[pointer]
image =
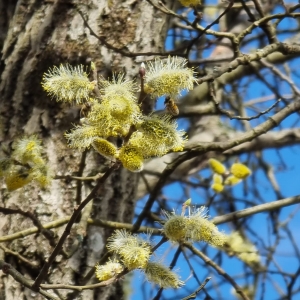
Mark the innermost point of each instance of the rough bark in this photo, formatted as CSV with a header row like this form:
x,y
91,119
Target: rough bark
x,y
36,35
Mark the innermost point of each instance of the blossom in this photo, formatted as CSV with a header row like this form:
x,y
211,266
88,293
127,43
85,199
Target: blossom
x,y
28,149
105,148
175,227
195,227
162,275
157,135
240,171
246,251
216,166
134,252
168,77
17,178
217,184
199,228
109,270
131,158
68,83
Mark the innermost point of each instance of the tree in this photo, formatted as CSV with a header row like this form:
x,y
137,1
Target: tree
x,y
93,195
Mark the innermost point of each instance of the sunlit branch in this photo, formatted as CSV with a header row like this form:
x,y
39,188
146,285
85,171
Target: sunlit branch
x,y
256,209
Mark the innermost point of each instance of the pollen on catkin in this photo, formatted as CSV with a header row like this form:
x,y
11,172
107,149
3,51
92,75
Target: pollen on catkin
x,y
68,84
134,252
109,270
246,251
168,77
240,171
232,180
162,275
199,228
216,166
131,158
175,227
160,134
17,178
28,149
217,184
105,148
82,137
118,87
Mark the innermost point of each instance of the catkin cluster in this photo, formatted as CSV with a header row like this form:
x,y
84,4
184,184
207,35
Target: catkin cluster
x,y
132,252
237,245
222,177
25,165
114,112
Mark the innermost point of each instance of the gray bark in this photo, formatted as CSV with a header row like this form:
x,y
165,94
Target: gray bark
x,y
36,35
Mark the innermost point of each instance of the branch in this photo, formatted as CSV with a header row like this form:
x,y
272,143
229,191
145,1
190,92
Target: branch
x,y
256,209
61,222
49,235
8,269
76,213
220,271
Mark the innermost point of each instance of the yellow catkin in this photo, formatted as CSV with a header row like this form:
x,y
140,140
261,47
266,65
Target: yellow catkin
x,y
163,276
232,180
216,166
134,252
16,180
105,148
109,270
175,227
131,158
217,187
240,171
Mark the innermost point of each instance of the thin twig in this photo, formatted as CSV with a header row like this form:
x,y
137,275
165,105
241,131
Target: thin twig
x,y
48,234
230,114
209,262
76,213
8,269
194,294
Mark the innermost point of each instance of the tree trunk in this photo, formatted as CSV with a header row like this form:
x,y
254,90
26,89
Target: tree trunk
x,y
36,35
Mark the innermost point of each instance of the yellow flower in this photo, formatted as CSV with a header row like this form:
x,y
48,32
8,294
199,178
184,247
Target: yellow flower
x,y
68,83
105,148
158,135
168,77
240,171
17,178
119,98
217,187
109,270
246,251
199,228
118,87
175,227
82,137
131,158
28,150
216,166
232,180
162,275
102,118
134,252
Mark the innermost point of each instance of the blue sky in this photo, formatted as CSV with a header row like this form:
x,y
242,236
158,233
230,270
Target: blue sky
x,y
286,165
